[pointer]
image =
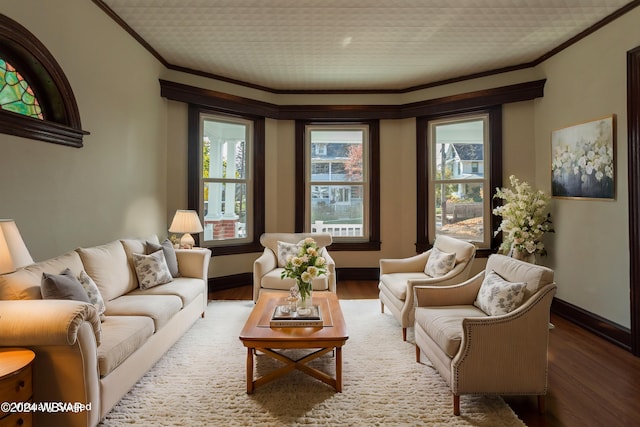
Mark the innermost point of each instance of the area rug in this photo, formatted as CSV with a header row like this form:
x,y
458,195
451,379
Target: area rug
x,y
201,382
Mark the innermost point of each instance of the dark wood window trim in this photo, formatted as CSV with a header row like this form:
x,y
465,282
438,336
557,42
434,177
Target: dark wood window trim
x,y
423,240
193,191
633,130
374,184
61,124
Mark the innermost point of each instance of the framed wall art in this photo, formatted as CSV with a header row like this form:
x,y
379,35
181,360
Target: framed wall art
x,y
583,160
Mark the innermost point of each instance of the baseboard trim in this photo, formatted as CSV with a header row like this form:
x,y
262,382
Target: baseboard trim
x,y
358,273
610,331
229,282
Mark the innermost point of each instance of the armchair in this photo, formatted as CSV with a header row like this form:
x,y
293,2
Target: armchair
x,y
399,276
501,353
269,266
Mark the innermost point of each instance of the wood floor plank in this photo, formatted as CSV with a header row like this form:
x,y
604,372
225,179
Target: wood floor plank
x,y
592,382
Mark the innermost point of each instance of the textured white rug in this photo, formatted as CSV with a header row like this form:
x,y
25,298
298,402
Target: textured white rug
x,y
201,382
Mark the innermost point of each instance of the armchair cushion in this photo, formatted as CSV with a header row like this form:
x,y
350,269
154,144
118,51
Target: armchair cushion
x,y
440,263
498,296
444,324
286,250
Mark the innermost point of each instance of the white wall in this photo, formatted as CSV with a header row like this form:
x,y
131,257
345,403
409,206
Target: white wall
x,y
589,250
63,197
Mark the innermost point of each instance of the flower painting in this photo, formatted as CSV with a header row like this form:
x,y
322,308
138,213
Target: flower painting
x,y
583,160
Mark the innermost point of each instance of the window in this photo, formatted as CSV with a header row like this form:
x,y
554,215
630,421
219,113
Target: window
x,y
457,156
16,94
36,100
228,197
340,190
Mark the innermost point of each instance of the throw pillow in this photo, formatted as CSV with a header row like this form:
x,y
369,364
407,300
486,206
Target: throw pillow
x,y
62,286
286,250
498,296
152,270
93,293
169,255
439,263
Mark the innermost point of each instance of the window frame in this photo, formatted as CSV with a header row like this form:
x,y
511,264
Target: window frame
x,y
372,241
425,236
257,169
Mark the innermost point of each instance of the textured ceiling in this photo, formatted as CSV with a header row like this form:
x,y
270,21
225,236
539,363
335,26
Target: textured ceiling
x,y
355,45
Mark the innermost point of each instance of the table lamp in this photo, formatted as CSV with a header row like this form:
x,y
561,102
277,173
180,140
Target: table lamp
x,y
186,221
13,252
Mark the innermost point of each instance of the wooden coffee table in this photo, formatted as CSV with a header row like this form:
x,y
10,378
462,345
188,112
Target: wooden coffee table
x,y
257,335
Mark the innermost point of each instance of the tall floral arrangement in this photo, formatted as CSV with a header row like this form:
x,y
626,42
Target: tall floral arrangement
x,y
525,218
305,266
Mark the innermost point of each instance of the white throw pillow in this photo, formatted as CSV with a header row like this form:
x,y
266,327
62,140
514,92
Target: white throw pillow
x,y
439,263
497,296
286,250
152,270
93,293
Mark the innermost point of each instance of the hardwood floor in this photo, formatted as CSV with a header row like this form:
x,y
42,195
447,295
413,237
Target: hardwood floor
x,y
591,381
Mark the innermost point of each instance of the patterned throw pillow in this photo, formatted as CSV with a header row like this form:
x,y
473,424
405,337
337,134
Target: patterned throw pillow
x,y
169,255
497,296
439,263
93,293
285,250
152,270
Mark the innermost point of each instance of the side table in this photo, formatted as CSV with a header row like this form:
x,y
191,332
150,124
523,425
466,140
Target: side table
x,y
15,385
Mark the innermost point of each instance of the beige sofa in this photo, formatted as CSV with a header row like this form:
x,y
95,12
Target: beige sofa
x,y
80,358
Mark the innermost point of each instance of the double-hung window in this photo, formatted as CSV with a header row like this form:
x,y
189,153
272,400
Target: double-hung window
x,y
227,191
457,158
340,191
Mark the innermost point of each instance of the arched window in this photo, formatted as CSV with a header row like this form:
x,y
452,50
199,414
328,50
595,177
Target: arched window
x,y
36,100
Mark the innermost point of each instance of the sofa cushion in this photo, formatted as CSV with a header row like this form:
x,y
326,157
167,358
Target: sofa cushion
x,y
169,255
186,288
25,283
498,296
397,282
160,308
272,280
107,266
444,324
121,336
93,293
439,262
62,286
152,270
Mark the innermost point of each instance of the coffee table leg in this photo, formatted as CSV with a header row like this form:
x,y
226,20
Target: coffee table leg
x,y
339,369
249,370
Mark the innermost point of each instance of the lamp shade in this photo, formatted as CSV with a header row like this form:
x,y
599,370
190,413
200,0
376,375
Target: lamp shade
x,y
185,221
13,252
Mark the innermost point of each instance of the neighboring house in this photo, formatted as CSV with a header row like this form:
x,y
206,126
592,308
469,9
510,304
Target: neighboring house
x,y
465,160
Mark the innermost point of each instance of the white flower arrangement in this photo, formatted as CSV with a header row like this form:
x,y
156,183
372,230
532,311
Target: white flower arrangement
x,y
304,267
525,218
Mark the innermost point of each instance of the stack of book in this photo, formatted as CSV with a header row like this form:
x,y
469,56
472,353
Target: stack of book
x,y
283,317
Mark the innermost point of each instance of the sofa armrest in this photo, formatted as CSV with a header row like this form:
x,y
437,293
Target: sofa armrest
x,y
331,269
26,323
194,262
461,294
403,265
509,352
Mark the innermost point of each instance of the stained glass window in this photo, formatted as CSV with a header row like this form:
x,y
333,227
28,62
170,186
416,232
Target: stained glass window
x,y
16,94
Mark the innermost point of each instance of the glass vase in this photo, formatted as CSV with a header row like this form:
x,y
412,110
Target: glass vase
x,y
304,302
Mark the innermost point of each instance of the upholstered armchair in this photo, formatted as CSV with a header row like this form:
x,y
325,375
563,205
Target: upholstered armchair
x,y
270,265
489,335
447,262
